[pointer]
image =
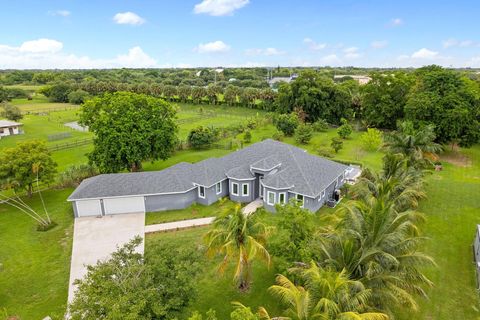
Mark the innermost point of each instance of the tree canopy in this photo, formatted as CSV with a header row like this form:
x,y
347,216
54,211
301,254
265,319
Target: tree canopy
x,y
129,128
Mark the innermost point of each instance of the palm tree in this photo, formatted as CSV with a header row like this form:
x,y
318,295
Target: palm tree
x,y
416,144
378,246
239,237
326,295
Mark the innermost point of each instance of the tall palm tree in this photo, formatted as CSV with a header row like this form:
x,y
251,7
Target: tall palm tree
x,y
240,237
418,145
327,295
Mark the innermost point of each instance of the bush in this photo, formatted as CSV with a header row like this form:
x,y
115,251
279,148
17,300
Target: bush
x,y
77,97
72,177
324,152
11,112
287,123
345,130
201,137
371,140
16,93
303,133
247,137
320,125
337,144
277,136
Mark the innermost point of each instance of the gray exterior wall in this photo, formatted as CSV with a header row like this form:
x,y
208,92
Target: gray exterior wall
x,y
170,201
211,195
271,208
74,205
240,198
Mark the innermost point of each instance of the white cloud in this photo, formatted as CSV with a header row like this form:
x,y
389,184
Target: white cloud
x,y
48,54
378,44
351,53
264,52
128,18
396,22
331,60
459,43
41,46
62,13
212,47
314,45
424,53
219,7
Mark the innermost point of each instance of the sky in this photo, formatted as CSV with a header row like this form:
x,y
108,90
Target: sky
x,y
74,34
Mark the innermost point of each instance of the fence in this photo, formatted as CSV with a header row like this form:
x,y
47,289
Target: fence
x,y
46,111
69,145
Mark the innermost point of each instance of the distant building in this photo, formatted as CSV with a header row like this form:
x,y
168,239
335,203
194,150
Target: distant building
x,y
9,128
275,80
359,79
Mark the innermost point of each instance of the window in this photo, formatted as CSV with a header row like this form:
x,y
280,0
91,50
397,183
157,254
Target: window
x,y
300,199
282,198
235,189
218,187
245,189
201,192
271,198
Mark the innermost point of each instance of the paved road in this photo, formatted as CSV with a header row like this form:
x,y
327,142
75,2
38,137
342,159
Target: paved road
x,y
178,225
96,238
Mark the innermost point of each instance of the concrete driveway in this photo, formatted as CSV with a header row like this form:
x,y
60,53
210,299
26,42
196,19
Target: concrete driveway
x,y
95,238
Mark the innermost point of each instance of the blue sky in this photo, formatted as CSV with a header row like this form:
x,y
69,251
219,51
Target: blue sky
x,y
169,33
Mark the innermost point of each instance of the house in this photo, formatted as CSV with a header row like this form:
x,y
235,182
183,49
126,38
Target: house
x,y
9,128
271,170
360,79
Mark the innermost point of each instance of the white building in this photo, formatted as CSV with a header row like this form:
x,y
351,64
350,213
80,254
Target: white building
x,y
8,128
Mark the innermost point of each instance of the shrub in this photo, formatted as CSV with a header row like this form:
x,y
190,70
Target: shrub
x,y
277,136
320,125
337,144
371,140
200,137
324,152
287,123
345,130
12,112
77,97
72,177
303,133
247,137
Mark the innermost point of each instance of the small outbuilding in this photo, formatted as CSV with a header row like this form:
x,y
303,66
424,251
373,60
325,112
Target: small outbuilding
x,y
9,128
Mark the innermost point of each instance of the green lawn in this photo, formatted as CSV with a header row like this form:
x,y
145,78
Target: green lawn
x,y
35,265
193,212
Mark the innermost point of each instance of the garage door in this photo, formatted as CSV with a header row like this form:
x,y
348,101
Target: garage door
x,y
86,208
124,205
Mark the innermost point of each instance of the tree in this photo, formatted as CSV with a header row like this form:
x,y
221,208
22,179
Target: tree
x,y
448,101
213,91
11,112
371,140
57,92
345,130
201,137
336,144
184,93
320,125
3,94
129,128
131,286
416,144
26,164
303,133
286,123
231,95
198,93
240,237
78,96
384,98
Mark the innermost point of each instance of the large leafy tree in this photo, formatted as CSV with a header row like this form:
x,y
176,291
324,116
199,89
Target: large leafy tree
x,y
26,164
129,128
131,286
447,100
384,99
238,237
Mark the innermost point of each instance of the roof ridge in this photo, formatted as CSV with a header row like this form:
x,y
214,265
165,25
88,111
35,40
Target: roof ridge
x,y
301,171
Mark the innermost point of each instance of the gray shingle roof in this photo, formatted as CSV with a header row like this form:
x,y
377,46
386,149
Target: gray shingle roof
x,y
8,123
308,174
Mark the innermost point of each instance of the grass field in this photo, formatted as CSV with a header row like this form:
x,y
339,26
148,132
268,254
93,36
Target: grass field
x,y
35,265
